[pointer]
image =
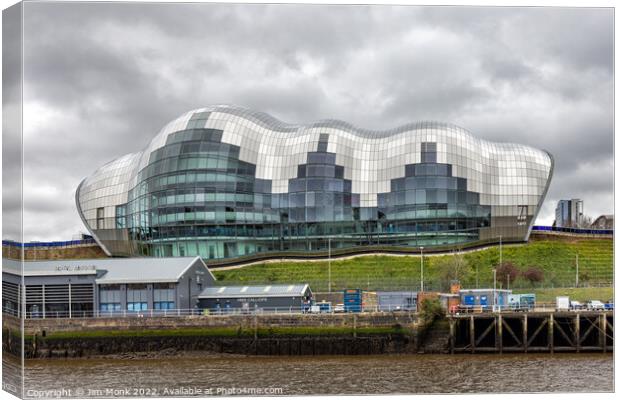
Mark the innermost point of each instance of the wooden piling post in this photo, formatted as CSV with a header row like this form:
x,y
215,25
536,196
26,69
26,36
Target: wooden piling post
x,y
255,327
602,323
472,334
498,337
452,335
525,332
577,333
550,333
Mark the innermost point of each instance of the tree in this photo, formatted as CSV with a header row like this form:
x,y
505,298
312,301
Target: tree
x,y
585,222
506,271
452,268
534,275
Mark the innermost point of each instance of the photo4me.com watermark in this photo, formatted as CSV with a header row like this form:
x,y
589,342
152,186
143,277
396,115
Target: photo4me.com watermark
x,y
175,391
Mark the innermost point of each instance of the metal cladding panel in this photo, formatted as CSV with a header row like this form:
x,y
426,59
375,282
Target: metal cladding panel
x,y
254,291
204,169
250,303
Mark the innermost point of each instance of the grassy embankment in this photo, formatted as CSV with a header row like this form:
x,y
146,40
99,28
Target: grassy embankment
x,y
555,257
580,294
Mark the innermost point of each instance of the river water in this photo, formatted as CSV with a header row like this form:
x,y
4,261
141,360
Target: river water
x,y
393,374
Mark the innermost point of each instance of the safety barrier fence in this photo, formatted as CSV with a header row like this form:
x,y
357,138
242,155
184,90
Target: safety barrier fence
x,y
67,243
317,309
413,284
583,231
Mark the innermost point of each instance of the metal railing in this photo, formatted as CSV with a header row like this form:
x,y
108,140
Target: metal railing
x,y
67,243
203,312
333,309
537,307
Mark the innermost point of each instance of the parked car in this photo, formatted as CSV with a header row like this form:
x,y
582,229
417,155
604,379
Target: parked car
x,y
338,308
575,305
609,305
595,305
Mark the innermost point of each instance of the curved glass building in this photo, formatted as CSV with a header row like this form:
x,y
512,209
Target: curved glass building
x,y
226,182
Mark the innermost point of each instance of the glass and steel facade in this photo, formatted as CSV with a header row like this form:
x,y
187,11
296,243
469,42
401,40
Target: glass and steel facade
x,y
226,182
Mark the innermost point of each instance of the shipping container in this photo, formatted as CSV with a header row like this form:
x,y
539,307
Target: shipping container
x,y
562,303
397,301
352,300
482,299
521,302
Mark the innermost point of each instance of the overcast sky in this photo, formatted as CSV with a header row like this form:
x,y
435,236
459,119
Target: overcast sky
x,y
100,80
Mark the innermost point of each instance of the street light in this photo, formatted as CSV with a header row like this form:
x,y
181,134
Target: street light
x,y
500,250
495,273
494,286
422,269
329,264
577,270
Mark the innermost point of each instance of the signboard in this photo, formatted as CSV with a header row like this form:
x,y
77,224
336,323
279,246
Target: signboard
x,y
75,268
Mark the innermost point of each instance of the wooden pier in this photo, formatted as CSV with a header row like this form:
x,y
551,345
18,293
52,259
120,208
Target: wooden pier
x,y
568,331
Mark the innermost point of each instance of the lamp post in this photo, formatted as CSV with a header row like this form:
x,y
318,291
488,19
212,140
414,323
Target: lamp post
x,y
577,270
422,269
494,286
500,250
329,264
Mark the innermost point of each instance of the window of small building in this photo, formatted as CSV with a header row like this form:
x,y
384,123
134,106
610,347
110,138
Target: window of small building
x,y
109,298
163,296
137,297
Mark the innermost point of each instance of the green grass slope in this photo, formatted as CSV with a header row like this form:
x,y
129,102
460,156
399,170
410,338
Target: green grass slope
x,y
556,257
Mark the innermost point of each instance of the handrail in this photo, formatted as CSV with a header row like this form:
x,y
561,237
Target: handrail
x,y
304,310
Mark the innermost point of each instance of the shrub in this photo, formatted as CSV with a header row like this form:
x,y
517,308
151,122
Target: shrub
x,y
430,311
506,271
450,269
534,275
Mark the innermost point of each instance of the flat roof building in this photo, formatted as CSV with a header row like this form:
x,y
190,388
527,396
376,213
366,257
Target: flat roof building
x,y
90,287
603,222
225,182
569,213
256,298
397,301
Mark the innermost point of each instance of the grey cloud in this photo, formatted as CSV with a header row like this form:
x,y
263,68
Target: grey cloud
x,y
101,79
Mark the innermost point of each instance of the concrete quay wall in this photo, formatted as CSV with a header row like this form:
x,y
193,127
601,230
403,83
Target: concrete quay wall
x,y
362,320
